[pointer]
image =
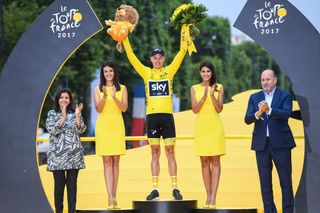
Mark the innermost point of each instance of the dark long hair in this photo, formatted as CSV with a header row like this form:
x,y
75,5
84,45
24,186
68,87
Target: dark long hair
x,y
56,101
210,66
115,80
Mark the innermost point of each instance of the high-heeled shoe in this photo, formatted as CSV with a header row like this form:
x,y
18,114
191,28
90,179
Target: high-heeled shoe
x,y
212,206
116,207
110,207
206,206
115,204
208,201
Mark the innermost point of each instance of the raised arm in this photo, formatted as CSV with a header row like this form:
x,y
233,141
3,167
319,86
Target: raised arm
x,y
137,65
175,64
185,44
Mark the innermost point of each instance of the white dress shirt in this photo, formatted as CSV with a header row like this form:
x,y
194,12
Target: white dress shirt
x,y
268,97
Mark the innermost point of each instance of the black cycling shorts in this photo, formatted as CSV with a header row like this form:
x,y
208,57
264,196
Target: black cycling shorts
x,y
160,124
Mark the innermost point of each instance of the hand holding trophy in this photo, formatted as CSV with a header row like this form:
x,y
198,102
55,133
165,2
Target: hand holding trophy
x,y
186,17
126,18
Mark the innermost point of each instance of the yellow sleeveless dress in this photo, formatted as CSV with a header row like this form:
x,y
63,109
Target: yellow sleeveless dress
x,y
209,132
110,131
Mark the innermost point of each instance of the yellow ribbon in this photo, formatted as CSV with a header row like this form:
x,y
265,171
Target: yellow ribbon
x,y
186,41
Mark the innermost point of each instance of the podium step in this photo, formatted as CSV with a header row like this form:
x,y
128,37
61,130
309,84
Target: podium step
x,y
107,211
170,206
224,210
183,206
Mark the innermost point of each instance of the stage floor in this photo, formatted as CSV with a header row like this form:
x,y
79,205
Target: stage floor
x,y
239,183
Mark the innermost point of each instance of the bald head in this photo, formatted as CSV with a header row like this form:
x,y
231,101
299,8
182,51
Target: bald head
x,y
268,80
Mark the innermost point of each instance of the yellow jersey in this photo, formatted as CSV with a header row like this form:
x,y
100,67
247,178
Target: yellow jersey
x,y
157,82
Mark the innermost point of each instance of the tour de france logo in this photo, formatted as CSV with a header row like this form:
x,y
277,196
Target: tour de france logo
x,y
65,22
268,19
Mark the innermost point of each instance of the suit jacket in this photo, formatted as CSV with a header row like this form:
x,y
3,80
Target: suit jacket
x,y
280,134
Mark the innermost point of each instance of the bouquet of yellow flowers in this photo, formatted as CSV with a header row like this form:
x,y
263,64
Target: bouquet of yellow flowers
x,y
190,14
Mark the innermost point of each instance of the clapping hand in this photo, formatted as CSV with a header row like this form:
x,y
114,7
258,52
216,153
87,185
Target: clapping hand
x,y
79,109
104,91
263,107
113,92
213,89
205,94
64,110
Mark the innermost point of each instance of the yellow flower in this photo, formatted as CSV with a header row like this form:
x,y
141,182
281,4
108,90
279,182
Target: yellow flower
x,y
179,9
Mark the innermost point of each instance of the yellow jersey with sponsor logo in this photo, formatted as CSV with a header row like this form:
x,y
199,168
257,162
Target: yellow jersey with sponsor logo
x,y
157,82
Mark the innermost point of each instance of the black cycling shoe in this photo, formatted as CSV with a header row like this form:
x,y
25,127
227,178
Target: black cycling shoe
x,y
176,194
154,195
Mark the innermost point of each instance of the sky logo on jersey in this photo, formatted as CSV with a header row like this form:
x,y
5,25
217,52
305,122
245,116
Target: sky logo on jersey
x,y
158,88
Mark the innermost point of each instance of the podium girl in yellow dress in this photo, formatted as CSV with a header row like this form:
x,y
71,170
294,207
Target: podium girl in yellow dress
x,y
207,103
110,100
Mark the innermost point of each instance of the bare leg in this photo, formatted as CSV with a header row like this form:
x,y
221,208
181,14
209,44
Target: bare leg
x,y
172,164
206,175
116,160
108,176
216,170
155,164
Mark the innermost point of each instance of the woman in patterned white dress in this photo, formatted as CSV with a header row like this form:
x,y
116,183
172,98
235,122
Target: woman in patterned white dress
x,y
65,154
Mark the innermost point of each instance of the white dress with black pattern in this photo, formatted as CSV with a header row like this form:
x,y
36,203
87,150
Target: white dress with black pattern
x,y
65,150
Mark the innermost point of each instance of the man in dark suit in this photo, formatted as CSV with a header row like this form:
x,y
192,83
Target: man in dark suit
x,y
272,139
